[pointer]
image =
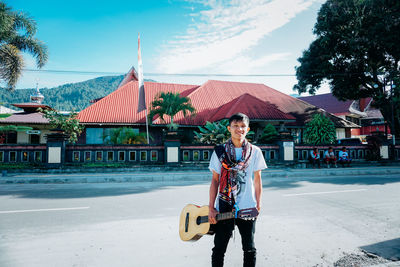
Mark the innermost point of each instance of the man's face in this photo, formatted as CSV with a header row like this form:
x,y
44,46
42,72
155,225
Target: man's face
x,y
238,129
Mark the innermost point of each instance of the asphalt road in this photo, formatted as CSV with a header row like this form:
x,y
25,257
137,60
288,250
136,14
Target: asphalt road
x,y
303,223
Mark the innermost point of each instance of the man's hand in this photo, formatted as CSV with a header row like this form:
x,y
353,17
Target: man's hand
x,y
211,215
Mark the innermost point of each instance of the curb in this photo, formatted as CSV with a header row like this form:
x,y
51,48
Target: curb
x,y
193,176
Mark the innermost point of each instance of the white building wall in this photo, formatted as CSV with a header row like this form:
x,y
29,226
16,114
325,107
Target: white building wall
x,y
22,138
340,133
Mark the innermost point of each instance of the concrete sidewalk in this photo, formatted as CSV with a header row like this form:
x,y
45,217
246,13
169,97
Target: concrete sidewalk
x,y
186,175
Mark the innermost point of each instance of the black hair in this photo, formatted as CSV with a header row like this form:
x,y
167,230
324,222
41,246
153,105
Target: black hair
x,y
239,117
329,147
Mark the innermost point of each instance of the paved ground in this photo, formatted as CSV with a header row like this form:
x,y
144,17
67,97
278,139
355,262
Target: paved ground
x,y
307,220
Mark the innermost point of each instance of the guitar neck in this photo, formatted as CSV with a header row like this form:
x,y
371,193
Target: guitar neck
x,y
225,216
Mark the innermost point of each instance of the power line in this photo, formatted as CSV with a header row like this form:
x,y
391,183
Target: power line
x,y
157,74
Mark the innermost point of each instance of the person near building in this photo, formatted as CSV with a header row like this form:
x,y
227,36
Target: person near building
x,y
330,157
236,185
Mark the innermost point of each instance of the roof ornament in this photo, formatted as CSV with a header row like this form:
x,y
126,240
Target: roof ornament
x,y
37,97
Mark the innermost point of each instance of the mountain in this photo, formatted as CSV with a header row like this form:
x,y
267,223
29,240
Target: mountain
x,y
67,97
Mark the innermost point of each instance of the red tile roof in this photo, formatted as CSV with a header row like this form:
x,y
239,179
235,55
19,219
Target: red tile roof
x,y
121,106
22,117
251,105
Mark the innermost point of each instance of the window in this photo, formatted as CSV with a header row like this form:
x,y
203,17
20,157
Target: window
x,y
185,155
94,135
37,156
110,155
13,156
121,155
360,154
143,155
272,154
154,155
11,137
352,154
25,156
304,154
196,155
35,138
321,154
99,155
1,156
76,156
132,155
206,155
88,155
296,154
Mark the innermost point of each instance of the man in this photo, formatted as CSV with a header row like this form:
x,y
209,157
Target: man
x,y
329,157
344,157
236,184
314,157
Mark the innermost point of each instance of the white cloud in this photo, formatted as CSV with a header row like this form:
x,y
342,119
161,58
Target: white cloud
x,y
226,33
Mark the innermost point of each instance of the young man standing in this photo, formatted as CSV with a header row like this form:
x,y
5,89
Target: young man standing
x,y
236,184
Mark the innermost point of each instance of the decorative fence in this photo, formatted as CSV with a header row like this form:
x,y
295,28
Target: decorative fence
x,y
148,154
23,153
157,154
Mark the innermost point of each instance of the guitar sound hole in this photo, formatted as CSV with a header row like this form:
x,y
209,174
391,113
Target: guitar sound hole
x,y
198,220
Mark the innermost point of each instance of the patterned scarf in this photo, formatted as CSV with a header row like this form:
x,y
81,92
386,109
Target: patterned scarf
x,y
232,172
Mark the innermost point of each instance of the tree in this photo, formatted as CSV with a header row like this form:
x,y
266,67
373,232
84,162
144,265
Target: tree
x,y
320,130
357,51
69,124
125,135
168,103
17,31
269,134
216,133
213,132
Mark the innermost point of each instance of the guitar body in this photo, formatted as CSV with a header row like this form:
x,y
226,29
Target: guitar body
x,y
191,225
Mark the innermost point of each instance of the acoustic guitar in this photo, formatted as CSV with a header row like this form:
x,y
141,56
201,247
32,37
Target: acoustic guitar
x,y
193,223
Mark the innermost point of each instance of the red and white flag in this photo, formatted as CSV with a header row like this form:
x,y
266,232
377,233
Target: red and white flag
x,y
142,98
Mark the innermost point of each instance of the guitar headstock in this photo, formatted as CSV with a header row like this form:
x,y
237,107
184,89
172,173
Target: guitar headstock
x,y
250,213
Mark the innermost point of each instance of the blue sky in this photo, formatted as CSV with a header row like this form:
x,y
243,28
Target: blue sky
x,y
193,36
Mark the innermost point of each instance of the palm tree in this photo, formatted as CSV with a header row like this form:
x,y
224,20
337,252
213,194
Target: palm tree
x,y
17,31
168,103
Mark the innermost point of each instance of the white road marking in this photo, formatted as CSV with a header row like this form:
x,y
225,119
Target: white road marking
x,y
321,193
57,209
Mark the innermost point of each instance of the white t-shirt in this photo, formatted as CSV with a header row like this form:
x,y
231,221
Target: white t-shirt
x,y
246,197
343,154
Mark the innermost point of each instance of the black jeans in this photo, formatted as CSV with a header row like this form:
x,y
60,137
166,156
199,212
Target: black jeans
x,y
223,232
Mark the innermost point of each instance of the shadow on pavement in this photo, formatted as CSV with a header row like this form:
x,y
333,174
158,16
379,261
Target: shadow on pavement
x,y
64,191
389,249
342,180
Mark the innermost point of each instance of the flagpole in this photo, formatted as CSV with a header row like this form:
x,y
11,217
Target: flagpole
x,y
142,98
147,129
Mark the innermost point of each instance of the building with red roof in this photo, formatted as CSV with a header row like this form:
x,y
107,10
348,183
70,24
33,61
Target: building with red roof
x,y
359,112
29,117
213,101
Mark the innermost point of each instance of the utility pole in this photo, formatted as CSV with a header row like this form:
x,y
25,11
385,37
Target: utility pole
x,y
392,86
